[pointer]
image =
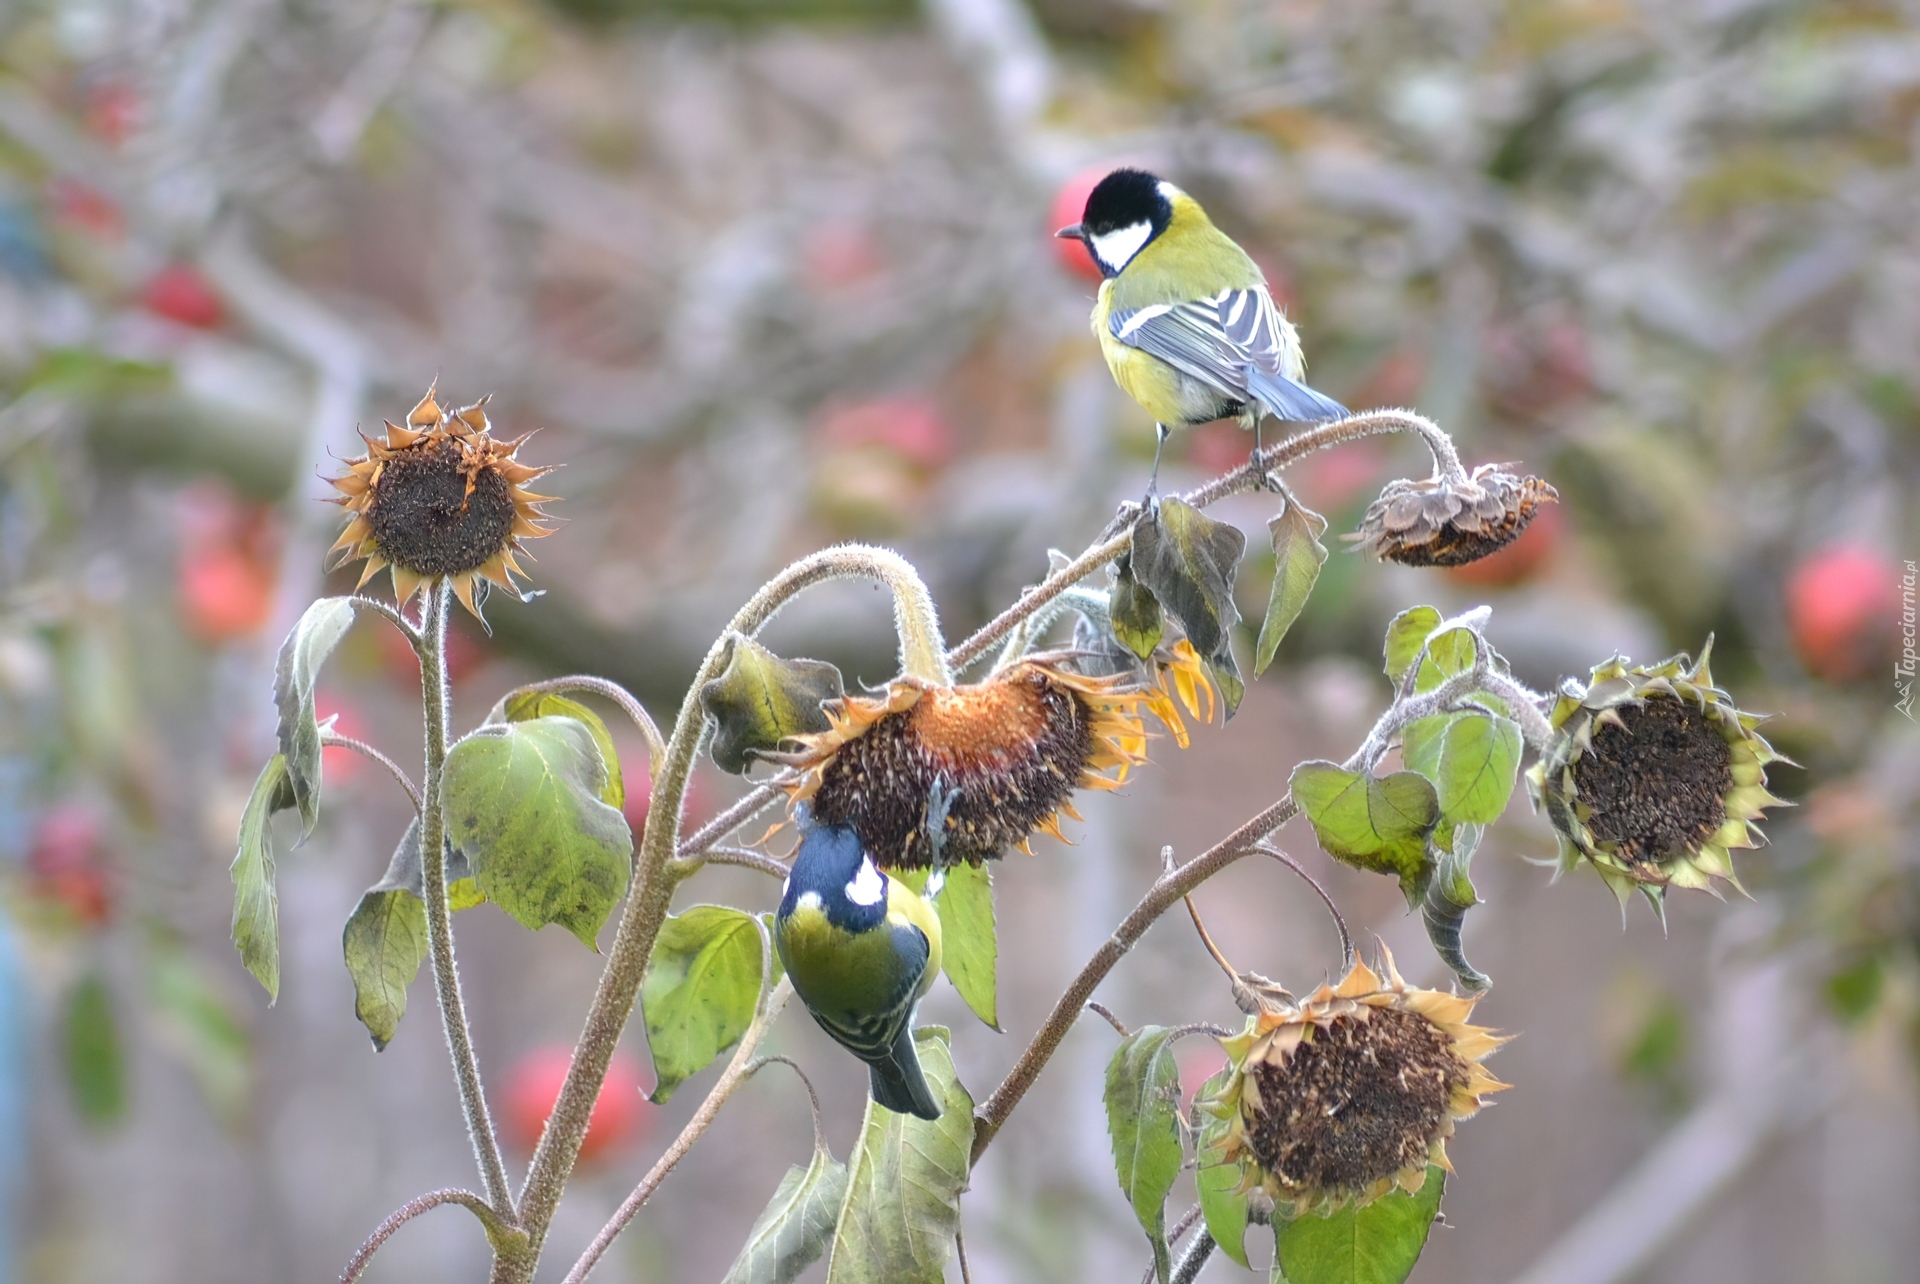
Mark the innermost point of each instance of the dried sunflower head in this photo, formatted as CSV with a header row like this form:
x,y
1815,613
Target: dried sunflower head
x,y
439,499
1010,750
1438,522
1337,1098
1654,777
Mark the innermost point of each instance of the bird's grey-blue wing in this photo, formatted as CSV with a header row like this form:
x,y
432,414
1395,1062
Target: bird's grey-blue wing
x,y
1235,341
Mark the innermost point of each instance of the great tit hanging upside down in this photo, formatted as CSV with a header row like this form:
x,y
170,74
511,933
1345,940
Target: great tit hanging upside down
x,y
1184,318
862,949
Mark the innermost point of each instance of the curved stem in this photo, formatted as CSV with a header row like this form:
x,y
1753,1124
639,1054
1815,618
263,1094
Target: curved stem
x,y
732,1077
763,797
1106,1014
1372,423
1167,890
1524,706
646,907
745,857
1339,921
813,1098
333,740
495,1227
446,977
392,615
616,694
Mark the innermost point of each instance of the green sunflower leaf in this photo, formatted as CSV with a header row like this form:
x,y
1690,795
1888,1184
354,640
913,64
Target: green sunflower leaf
x,y
1373,823
1222,1203
902,1209
524,705
523,804
1143,1123
760,699
796,1226
1188,561
256,905
1472,759
1378,1244
969,950
1134,612
295,673
700,991
1298,556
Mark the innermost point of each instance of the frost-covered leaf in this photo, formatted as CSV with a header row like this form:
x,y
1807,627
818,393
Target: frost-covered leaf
x,y
760,699
523,804
320,628
903,1191
701,988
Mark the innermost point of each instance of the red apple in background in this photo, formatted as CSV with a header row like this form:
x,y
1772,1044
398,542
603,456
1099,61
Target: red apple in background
x,y
911,427
533,1085
1520,560
340,765
229,563
179,293
1841,604
67,862
1069,203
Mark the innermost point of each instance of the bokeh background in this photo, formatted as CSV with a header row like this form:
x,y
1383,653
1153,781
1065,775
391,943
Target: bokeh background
x,y
772,273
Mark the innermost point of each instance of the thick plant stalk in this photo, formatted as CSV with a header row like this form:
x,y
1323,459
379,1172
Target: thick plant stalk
x,y
654,879
433,866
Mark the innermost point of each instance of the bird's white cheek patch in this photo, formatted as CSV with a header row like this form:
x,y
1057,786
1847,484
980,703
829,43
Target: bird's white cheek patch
x,y
810,901
1114,248
868,886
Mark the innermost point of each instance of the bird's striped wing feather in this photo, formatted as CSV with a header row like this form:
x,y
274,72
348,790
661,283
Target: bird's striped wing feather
x,y
872,1035
1235,341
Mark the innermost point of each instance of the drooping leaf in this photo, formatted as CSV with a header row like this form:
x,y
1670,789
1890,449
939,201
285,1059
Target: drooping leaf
x,y
760,699
256,905
96,1065
701,988
404,872
320,629
1226,680
1188,561
523,805
195,1024
903,1191
969,947
1134,612
1472,759
1378,1244
1298,556
1450,646
384,942
1369,822
524,705
1223,1204
1143,1123
796,1226
1449,896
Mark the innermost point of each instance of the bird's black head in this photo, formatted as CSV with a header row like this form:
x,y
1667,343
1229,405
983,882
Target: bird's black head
x,y
831,866
1126,210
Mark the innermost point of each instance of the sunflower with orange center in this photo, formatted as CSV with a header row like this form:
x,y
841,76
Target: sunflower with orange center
x,y
440,499
1010,751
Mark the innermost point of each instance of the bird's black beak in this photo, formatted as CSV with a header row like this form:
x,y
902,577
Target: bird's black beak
x,y
1077,232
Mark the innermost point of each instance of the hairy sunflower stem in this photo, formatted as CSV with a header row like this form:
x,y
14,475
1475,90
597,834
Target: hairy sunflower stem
x,y
1191,1261
720,854
1524,706
762,797
392,616
446,977
654,880
1167,891
1371,423
738,1071
497,1229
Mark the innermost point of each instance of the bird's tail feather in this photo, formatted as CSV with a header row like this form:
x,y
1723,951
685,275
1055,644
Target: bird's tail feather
x,y
1290,401
898,1083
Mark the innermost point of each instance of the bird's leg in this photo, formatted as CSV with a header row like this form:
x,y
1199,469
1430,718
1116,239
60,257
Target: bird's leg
x,y
1266,478
940,801
1150,500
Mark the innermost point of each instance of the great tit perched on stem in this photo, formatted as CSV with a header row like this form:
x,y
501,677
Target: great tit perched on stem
x,y
862,950
1184,318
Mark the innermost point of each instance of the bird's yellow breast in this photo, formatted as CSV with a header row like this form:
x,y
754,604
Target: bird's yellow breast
x,y
1163,392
